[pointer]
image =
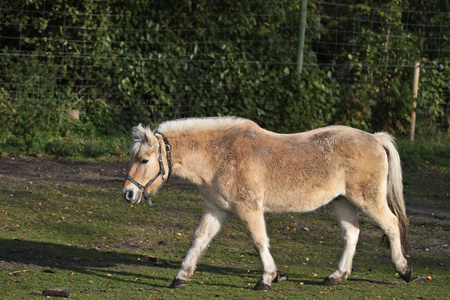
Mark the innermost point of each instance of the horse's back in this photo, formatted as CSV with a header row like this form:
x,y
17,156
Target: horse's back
x,y
303,171
322,143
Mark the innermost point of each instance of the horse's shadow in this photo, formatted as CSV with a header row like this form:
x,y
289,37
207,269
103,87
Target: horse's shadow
x,y
93,262
90,261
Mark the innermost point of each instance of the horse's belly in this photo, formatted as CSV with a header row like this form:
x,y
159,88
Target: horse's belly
x,y
300,201
214,199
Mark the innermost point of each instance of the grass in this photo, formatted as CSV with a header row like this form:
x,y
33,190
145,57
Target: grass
x,y
85,238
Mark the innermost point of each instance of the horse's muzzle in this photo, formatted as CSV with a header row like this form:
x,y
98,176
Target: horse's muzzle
x,y
132,195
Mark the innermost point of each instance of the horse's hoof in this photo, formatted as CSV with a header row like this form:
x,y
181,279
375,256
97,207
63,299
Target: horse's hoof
x,y
407,276
331,281
281,277
178,283
260,286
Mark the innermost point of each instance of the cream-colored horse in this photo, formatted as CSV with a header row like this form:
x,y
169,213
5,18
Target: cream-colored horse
x,y
243,169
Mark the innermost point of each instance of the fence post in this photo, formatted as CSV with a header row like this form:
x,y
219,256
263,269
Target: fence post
x,y
301,37
412,129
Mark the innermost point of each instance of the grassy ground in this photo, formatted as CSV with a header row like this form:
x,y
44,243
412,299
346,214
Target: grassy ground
x,y
82,236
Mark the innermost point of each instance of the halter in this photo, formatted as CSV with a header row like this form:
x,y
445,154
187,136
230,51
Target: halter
x,y
161,171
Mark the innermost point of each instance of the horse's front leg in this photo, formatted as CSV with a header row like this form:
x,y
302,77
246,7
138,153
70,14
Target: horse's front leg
x,y
210,224
254,221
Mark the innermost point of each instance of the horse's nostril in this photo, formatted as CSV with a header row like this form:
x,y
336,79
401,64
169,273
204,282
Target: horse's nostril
x,y
129,195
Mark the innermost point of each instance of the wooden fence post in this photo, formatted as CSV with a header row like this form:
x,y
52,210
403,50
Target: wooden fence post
x,y
415,90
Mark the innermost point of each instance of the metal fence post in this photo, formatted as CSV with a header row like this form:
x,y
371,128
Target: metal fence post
x,y
301,37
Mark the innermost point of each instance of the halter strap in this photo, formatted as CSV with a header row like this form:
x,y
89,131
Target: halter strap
x,y
142,187
168,156
161,171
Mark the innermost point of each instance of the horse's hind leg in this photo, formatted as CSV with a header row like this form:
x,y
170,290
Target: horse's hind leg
x,y
254,222
210,224
388,222
347,215
377,209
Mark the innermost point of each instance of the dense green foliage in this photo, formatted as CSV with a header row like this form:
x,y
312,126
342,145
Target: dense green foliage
x,y
122,63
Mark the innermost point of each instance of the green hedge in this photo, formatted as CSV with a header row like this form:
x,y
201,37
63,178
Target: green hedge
x,y
122,63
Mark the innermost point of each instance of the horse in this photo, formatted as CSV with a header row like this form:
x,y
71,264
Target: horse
x,y
243,169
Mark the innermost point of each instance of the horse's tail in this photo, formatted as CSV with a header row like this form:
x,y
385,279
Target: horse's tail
x,y
395,188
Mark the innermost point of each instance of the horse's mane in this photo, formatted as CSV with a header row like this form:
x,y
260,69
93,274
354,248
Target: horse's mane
x,y
193,125
140,134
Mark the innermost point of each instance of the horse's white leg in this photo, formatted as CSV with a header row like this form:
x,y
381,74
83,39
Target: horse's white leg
x,y
210,224
347,215
254,222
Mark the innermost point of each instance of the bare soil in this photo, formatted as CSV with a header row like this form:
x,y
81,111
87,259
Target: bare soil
x,y
104,174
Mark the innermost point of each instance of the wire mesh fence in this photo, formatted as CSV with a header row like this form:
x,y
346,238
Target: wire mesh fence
x,y
148,61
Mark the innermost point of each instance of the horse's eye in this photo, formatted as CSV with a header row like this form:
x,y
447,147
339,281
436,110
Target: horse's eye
x,y
144,161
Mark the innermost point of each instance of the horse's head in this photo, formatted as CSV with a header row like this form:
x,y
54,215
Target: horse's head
x,y
150,161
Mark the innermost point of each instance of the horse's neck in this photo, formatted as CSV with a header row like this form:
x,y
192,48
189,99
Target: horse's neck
x,y
190,161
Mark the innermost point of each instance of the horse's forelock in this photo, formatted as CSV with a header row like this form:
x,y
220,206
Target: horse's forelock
x,y
140,140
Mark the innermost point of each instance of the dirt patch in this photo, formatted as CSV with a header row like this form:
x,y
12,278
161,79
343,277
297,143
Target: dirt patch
x,y
33,169
423,213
